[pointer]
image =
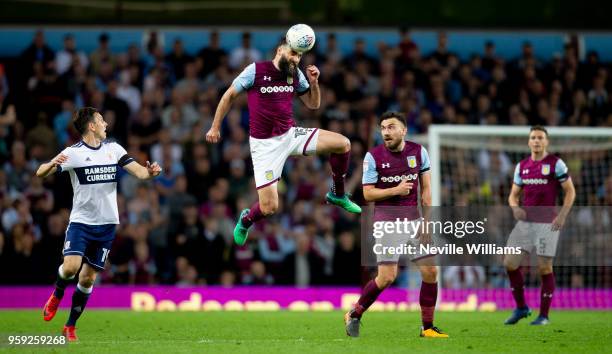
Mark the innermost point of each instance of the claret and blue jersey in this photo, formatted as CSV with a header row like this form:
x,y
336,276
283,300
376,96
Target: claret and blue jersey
x,y
540,181
270,94
385,169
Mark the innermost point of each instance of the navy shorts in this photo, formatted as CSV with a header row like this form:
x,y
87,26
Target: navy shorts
x,y
93,242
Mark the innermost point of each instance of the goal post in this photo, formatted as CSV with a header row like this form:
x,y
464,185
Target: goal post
x,y
473,166
510,140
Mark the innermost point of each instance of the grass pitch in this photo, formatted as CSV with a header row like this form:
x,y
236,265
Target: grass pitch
x,y
288,332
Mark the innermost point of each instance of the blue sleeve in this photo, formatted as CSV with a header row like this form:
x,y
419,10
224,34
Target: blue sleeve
x,y
425,163
517,175
561,171
370,175
245,80
303,84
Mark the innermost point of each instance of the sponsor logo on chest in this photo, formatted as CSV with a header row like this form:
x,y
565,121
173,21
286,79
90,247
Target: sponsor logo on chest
x,y
275,89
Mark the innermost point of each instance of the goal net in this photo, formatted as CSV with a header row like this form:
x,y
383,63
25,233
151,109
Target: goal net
x,y
473,167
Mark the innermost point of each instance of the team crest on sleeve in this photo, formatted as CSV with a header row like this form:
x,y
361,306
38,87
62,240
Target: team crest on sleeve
x,y
412,161
269,175
545,169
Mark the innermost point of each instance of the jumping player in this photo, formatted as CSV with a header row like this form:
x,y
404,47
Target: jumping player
x,y
92,164
392,174
538,177
271,86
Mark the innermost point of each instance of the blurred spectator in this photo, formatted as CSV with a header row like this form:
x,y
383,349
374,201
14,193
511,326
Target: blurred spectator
x,y
37,52
463,277
62,124
42,135
67,56
258,275
177,59
441,54
245,54
129,93
142,267
303,267
8,118
331,52
347,260
102,54
211,56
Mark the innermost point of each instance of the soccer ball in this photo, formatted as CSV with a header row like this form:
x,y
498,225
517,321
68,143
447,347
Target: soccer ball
x,y
300,38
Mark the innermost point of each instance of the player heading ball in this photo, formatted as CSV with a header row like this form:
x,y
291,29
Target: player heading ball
x,y
271,86
92,164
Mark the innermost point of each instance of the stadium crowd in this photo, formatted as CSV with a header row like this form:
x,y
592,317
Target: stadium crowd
x,y
177,229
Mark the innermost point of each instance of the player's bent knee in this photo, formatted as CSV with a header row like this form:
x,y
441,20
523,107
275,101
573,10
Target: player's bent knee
x,y
268,208
346,145
71,268
87,282
70,271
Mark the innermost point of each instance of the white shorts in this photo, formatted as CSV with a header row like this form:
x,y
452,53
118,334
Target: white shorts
x,y
530,235
269,155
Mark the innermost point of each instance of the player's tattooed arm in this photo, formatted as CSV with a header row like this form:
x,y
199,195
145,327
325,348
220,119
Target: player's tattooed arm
x,y
513,201
214,133
143,172
569,195
50,167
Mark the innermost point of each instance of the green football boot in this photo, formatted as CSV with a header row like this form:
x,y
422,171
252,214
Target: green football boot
x,y
343,202
240,232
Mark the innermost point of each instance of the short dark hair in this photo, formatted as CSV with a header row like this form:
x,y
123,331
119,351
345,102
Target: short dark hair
x,y
393,114
82,117
539,128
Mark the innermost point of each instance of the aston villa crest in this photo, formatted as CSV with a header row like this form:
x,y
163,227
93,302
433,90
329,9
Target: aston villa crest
x,y
545,169
412,161
269,175
290,80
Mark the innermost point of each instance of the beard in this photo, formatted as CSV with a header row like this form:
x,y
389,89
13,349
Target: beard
x,y
393,144
286,67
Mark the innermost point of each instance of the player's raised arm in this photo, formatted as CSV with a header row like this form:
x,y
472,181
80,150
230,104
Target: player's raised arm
x,y
242,82
312,98
143,172
214,133
50,167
